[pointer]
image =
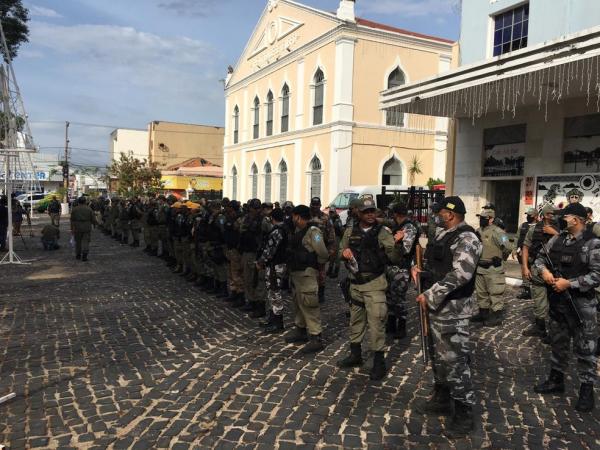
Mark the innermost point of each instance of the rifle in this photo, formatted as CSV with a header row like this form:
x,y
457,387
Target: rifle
x,y
426,341
566,294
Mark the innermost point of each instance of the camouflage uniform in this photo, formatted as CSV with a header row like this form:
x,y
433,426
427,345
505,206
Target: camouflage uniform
x,y
135,214
451,308
398,275
563,326
273,258
216,248
324,224
124,223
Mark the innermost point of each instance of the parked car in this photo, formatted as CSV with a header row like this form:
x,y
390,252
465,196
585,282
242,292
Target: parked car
x,y
30,200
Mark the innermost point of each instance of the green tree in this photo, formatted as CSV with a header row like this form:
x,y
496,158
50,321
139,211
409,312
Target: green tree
x,y
414,169
14,17
433,181
135,177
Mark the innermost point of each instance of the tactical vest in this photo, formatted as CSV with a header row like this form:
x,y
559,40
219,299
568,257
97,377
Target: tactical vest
x,y
370,256
300,258
162,215
567,259
538,239
523,230
490,249
250,235
202,229
152,219
439,262
133,213
231,236
407,260
214,231
181,227
281,254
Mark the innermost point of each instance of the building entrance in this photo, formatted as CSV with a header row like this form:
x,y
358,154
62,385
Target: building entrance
x,y
506,197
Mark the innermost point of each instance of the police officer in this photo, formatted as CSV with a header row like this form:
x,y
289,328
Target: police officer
x,y
231,236
323,222
82,219
352,217
307,253
216,249
124,221
449,279
536,238
531,219
151,225
406,236
135,213
367,248
250,242
575,268
180,232
273,258
490,283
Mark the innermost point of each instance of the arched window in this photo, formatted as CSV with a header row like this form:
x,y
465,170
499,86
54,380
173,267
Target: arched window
x,y
234,183
256,118
236,124
392,172
270,114
315,177
395,118
283,181
285,108
319,81
254,177
268,182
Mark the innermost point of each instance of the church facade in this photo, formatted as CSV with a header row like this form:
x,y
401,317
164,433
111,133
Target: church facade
x,y
302,106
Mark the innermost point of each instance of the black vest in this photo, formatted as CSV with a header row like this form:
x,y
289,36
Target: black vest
x,y
300,258
201,231
231,236
567,259
214,230
370,256
152,217
522,233
250,235
281,254
538,239
439,262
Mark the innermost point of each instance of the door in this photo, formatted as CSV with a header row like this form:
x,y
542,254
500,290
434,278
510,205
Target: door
x,y
506,197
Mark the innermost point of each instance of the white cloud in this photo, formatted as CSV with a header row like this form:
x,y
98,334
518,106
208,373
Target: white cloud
x,y
40,11
199,8
410,8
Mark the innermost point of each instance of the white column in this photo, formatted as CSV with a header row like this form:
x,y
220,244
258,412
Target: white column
x,y
297,169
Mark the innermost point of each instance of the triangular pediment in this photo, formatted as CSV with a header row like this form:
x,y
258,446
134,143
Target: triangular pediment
x,y
284,27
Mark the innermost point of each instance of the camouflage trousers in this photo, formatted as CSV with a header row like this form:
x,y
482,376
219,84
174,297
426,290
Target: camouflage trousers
x,y
539,295
274,276
136,228
563,326
235,273
123,230
163,238
451,362
202,259
254,284
398,280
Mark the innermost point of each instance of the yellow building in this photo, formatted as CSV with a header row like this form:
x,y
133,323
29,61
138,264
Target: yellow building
x,y
302,106
172,143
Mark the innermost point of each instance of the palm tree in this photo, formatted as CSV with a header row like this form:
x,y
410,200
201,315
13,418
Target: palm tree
x,y
414,169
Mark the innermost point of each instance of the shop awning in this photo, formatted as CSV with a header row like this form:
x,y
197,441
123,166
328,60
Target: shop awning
x,y
550,72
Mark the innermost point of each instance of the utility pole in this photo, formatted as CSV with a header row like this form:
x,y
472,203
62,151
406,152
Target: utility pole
x,y
65,205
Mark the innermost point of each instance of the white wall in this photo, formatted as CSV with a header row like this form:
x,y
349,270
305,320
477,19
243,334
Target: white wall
x,y
126,141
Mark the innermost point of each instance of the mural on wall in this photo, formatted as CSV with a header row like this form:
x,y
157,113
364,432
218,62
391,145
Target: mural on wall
x,y
554,189
506,160
582,154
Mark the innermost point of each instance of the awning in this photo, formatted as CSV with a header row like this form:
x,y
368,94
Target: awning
x,y
551,72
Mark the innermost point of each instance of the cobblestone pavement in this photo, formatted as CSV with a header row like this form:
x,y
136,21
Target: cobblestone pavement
x,y
120,353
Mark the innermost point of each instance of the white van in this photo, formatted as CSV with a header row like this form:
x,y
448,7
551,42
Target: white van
x,y
343,199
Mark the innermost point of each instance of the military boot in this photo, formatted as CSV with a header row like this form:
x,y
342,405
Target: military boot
x,y
481,316
554,384
525,294
378,370
400,329
276,325
222,291
440,402
461,423
259,311
147,249
77,256
232,297
354,359
298,336
538,329
585,403
178,269
315,345
390,325
268,320
494,319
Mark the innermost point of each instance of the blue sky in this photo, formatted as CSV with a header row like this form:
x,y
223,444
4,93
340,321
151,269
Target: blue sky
x,y
124,63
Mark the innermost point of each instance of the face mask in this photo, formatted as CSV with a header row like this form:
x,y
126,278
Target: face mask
x,y
484,222
530,219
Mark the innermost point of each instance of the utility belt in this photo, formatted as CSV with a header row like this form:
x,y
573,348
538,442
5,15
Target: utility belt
x,y
488,264
361,279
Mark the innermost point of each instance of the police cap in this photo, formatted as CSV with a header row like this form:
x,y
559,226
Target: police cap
x,y
278,215
575,209
532,212
489,213
454,204
315,202
366,204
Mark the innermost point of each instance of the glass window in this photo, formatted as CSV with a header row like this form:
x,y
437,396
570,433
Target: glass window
x,y
511,30
319,81
315,177
282,181
395,118
234,183
236,125
270,114
254,175
342,201
268,182
256,117
285,108
392,173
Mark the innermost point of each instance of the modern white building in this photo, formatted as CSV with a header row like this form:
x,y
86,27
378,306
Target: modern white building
x,y
526,99
128,141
